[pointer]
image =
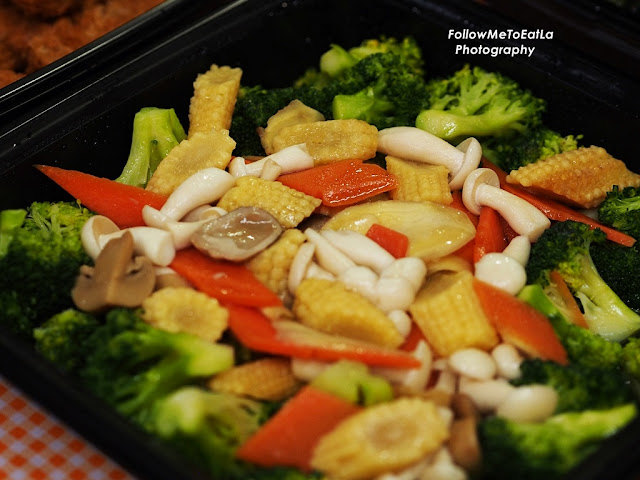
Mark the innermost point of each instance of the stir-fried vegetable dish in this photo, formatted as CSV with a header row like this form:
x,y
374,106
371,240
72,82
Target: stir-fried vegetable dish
x,y
370,273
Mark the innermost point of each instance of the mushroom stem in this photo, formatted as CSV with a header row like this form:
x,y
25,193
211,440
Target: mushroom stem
x,y
153,243
300,265
180,231
501,271
328,256
482,188
92,230
271,170
360,248
412,143
519,249
204,186
238,167
290,159
411,380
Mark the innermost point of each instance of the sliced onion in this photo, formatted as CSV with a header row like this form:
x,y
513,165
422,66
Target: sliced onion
x,y
434,230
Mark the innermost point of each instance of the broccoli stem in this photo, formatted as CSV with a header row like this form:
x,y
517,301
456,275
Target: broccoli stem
x,y
155,132
605,313
450,126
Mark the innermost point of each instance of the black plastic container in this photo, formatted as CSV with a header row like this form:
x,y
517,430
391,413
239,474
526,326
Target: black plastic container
x,y
85,124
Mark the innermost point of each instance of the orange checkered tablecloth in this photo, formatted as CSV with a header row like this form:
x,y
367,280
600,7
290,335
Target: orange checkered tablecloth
x,y
34,445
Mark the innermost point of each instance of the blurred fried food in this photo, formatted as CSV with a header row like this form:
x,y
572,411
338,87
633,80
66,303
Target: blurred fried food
x,y
46,8
35,33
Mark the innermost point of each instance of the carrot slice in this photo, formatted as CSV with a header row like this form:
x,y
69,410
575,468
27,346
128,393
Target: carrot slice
x,y
226,281
571,306
119,202
341,183
519,323
289,437
256,331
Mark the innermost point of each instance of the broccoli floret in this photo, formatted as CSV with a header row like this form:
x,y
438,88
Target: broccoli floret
x,y
578,387
549,449
155,132
368,105
63,338
131,364
388,92
621,210
388,78
582,345
256,104
207,427
565,247
520,149
478,103
40,264
619,266
10,222
335,61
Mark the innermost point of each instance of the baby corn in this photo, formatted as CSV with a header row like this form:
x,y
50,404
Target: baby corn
x,y
293,114
268,379
419,182
379,439
183,309
213,100
449,314
202,150
271,266
331,140
287,205
328,306
579,177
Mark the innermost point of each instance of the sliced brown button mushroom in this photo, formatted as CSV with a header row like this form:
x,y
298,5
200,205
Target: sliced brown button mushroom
x,y
464,444
117,279
238,235
463,406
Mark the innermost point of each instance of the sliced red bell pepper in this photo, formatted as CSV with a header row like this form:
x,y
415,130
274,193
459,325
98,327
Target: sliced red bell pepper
x,y
341,183
119,202
290,436
226,281
256,331
394,242
466,251
490,235
412,340
555,210
459,204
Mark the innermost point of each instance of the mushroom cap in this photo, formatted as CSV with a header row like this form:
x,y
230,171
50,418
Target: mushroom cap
x,y
472,155
474,180
238,235
117,279
93,228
